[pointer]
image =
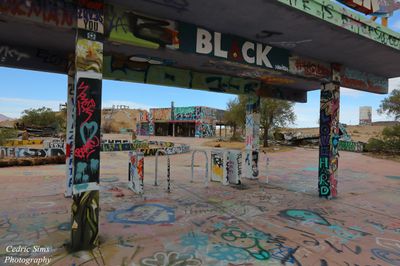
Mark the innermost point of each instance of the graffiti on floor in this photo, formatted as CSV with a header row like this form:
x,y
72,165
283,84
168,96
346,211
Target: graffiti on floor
x,y
170,258
150,213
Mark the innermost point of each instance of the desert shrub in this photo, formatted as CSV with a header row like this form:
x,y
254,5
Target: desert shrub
x,y
389,143
6,134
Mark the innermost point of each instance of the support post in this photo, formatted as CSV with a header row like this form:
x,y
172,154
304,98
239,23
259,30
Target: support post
x,y
88,83
252,138
329,137
69,138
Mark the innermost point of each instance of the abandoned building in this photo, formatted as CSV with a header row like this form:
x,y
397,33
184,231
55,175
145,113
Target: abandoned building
x,y
191,121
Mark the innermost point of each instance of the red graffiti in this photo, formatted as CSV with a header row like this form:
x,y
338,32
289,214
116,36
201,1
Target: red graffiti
x,y
84,104
88,148
60,14
140,168
312,69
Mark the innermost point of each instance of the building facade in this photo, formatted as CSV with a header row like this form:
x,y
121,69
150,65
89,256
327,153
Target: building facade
x,y
365,115
192,121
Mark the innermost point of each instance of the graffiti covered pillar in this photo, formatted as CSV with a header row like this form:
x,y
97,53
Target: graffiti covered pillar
x,y
252,138
69,138
88,83
329,137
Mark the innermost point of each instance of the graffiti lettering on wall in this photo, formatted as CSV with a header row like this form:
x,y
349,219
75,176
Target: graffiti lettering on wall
x,y
141,30
144,214
171,258
58,13
29,152
186,113
329,140
12,143
161,114
354,146
204,130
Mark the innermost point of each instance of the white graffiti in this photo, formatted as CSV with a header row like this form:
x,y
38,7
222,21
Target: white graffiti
x,y
7,52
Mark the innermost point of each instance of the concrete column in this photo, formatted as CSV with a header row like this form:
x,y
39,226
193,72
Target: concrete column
x,y
69,140
173,129
329,138
88,84
252,138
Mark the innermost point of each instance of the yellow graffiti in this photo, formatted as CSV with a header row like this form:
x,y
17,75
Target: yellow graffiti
x,y
13,143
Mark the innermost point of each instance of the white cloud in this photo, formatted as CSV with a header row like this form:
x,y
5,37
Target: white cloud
x,y
13,107
394,84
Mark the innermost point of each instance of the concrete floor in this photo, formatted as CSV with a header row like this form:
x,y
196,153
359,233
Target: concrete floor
x,y
282,222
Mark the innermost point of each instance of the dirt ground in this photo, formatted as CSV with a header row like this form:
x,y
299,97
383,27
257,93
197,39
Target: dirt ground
x,y
357,133
279,222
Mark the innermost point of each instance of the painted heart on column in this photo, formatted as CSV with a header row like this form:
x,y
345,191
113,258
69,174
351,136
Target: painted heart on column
x,y
88,131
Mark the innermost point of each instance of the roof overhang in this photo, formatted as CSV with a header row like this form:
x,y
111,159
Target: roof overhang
x,y
277,48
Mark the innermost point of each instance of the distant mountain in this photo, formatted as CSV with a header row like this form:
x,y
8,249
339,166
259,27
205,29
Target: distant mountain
x,y
4,118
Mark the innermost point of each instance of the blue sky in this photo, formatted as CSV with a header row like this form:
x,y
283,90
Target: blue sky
x,y
22,89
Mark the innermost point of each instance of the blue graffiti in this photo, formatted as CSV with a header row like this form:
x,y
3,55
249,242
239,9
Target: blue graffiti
x,y
228,253
143,214
304,215
196,240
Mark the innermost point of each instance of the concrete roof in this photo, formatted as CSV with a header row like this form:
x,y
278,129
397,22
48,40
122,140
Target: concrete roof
x,y
317,33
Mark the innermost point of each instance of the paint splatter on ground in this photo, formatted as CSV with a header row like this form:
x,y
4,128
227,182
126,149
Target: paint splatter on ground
x,y
282,222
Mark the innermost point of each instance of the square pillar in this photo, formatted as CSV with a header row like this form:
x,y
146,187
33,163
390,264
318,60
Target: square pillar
x,y
329,138
69,138
253,117
86,160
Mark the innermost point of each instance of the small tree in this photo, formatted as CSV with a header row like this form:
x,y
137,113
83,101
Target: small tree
x,y
275,113
391,104
43,117
235,114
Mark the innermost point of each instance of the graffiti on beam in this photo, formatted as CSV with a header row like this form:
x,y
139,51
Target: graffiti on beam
x,y
169,76
23,57
358,24
198,40
355,79
7,53
141,30
309,68
57,13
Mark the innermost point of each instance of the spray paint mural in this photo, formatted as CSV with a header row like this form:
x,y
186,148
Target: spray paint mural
x,y
217,166
136,172
329,140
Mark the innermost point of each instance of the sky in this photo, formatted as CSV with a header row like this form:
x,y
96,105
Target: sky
x,y
23,89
